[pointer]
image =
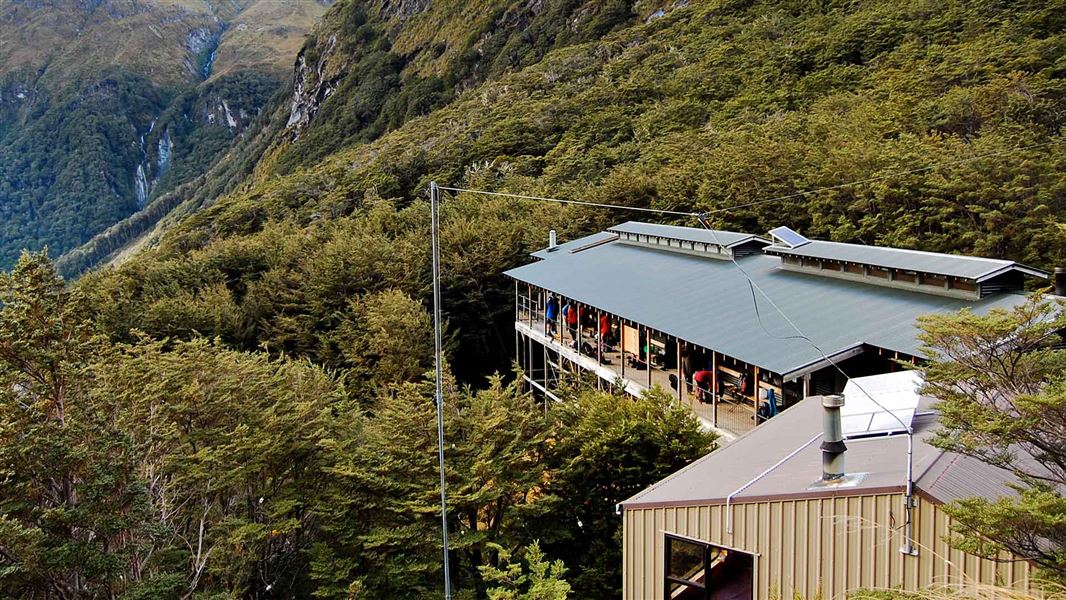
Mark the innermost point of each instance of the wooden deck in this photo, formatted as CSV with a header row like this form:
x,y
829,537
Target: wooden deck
x,y
732,419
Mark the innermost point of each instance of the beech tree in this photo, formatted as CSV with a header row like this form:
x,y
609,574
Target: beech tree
x,y
383,517
1001,381
72,511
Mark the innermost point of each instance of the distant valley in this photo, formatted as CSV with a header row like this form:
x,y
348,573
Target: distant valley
x,y
106,105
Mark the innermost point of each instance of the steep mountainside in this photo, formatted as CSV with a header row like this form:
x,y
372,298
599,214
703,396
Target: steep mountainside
x,y
105,105
767,113
697,107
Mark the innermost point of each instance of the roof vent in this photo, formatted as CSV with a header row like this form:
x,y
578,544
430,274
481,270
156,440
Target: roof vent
x,y
553,241
832,439
785,236
834,475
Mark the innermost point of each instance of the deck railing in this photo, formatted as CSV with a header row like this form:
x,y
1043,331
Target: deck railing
x,y
529,309
726,413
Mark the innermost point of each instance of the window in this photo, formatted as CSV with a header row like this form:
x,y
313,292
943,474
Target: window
x,y
699,571
687,564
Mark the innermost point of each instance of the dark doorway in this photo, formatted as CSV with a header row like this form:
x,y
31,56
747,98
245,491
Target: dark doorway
x,y
699,571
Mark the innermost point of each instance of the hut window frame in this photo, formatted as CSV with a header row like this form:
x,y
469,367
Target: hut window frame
x,y
670,580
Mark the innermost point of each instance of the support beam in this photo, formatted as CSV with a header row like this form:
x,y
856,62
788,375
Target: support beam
x,y
680,375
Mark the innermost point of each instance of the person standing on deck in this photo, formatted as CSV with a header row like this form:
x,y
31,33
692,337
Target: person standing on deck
x,y
551,313
689,365
570,314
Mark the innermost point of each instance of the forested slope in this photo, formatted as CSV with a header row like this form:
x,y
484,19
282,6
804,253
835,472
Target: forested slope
x,y
702,108
254,376
105,106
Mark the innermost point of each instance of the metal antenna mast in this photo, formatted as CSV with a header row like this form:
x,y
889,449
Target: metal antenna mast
x,y
434,203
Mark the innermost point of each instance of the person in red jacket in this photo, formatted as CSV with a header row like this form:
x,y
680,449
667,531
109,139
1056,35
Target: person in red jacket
x,y
704,381
570,315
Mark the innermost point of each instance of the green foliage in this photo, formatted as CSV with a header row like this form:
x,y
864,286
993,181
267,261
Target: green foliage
x,y
387,527
231,457
71,506
534,578
1001,382
385,338
608,448
289,287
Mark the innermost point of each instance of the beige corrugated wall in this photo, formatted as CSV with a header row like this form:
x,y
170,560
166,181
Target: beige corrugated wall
x,y
816,548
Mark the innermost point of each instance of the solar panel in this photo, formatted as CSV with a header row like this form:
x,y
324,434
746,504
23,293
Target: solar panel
x,y
788,237
896,393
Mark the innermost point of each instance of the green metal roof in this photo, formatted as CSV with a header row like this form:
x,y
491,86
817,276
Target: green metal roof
x,y
953,265
709,302
726,239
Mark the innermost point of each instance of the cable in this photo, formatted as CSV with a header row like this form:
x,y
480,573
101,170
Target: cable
x,y
576,202
800,335
765,200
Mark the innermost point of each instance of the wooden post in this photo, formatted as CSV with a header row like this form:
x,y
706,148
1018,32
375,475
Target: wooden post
x,y
680,375
544,349
714,381
599,336
755,388
647,352
579,329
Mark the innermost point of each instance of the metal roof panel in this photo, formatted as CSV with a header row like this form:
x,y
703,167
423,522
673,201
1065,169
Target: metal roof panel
x,y
709,302
953,265
727,239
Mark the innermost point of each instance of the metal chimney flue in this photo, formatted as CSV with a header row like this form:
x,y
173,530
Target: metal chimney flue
x,y
552,240
832,439
1060,281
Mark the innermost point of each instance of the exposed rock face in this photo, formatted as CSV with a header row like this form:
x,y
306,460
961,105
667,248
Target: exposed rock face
x,y
404,8
202,46
220,113
313,84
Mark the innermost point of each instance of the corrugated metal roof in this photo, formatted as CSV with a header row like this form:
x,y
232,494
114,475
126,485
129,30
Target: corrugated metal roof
x,y
573,245
718,237
943,476
709,302
954,265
